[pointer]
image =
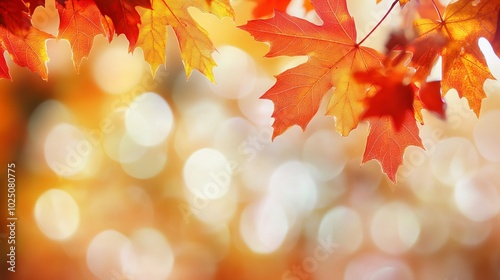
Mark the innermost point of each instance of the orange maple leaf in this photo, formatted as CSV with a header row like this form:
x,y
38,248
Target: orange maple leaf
x,y
456,34
27,51
195,45
333,54
80,22
387,144
393,109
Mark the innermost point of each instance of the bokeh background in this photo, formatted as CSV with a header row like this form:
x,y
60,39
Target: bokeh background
x,y
124,176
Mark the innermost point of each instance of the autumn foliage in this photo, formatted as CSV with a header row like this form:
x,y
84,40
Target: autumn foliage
x,y
388,88
143,22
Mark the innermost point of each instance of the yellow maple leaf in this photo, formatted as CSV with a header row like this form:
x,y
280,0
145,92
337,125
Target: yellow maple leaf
x,y
195,45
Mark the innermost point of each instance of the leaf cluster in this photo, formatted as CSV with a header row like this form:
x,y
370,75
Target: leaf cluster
x,y
388,89
143,22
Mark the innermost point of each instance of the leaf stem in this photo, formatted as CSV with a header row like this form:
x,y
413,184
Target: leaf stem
x,y
441,20
437,11
380,22
172,12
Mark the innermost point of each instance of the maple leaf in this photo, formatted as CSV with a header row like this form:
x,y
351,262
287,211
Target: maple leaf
x,y
124,16
267,7
393,108
27,51
332,54
80,22
387,144
457,33
195,45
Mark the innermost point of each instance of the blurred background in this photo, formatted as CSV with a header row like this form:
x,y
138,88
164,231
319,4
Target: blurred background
x,y
124,176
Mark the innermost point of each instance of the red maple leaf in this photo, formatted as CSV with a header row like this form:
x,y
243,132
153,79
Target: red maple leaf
x,y
124,16
387,144
393,108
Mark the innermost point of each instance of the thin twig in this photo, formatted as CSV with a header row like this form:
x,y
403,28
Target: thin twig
x,y
380,22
